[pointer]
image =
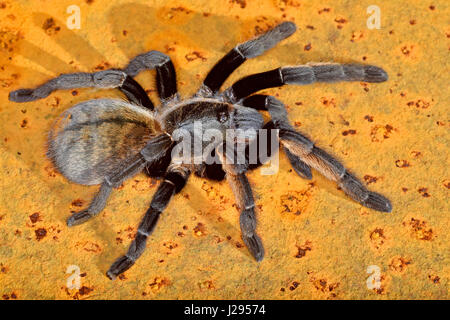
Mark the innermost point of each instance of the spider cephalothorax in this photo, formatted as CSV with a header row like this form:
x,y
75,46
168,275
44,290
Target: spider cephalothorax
x,y
107,141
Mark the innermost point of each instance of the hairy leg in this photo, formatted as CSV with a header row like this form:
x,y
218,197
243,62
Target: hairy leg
x,y
303,148
278,114
106,79
303,155
131,167
238,181
304,74
238,55
173,182
150,157
165,71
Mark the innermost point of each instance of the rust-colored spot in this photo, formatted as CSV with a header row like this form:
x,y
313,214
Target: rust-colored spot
x,y
419,104
122,277
447,183
399,264
206,285
158,283
340,20
368,118
322,285
434,278
307,47
420,229
50,26
3,268
85,290
294,285
89,246
53,102
379,133
200,230
402,164
406,50
377,238
348,132
24,123
78,202
370,179
102,66
324,10
194,56
40,233
416,154
424,192
296,202
302,249
328,102
35,217
356,36
170,245
242,3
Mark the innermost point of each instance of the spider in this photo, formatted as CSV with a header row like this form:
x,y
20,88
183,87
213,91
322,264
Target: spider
x,y
107,141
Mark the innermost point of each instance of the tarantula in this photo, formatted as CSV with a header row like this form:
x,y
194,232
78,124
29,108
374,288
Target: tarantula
x,y
107,141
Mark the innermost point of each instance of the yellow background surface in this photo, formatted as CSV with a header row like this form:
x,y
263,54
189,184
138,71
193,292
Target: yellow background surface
x,y
319,244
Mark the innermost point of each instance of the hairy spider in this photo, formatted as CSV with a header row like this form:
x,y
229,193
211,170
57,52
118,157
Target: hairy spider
x,y
106,141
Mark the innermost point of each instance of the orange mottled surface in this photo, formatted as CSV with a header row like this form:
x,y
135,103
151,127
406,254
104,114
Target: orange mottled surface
x,y
319,244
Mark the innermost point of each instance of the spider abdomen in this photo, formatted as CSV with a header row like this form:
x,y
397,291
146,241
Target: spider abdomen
x,y
89,140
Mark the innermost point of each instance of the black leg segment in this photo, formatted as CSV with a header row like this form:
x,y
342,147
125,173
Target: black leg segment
x,y
173,182
301,75
238,55
135,93
165,71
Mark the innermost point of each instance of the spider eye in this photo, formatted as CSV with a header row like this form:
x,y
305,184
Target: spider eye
x,y
222,116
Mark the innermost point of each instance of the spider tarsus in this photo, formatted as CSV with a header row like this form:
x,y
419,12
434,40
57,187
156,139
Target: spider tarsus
x,y
268,40
119,266
255,246
78,218
377,202
375,74
22,95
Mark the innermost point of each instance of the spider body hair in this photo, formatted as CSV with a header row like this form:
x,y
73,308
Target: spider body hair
x,y
89,141
107,141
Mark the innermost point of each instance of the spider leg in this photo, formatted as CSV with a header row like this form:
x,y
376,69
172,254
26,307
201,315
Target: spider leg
x,y
165,71
235,175
238,55
174,181
303,154
106,79
278,114
303,74
155,149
